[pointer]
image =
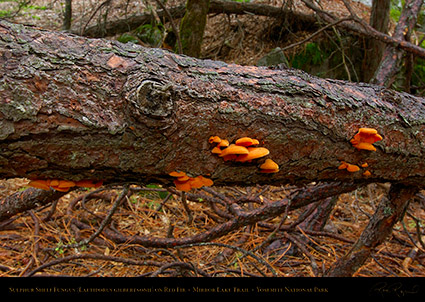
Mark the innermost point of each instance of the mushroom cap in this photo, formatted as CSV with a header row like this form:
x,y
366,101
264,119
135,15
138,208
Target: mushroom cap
x,y
53,182
352,168
343,165
183,178
365,146
216,150
66,184
369,131
365,165
233,149
177,174
39,184
214,139
223,143
253,153
182,185
367,173
206,181
269,165
244,141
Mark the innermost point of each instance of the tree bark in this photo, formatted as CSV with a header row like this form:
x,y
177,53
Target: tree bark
x,y
192,26
392,56
379,20
78,108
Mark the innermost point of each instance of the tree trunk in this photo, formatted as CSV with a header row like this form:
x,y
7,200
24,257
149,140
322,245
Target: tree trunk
x,y
192,27
67,15
392,56
379,20
77,108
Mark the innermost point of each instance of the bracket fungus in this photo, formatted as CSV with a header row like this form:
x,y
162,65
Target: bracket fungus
x,y
243,150
63,185
364,139
269,166
186,183
349,167
253,153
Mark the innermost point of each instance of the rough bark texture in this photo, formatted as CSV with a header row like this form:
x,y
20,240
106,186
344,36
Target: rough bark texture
x,y
389,212
79,108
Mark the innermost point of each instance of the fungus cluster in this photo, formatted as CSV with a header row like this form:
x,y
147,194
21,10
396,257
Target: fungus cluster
x,y
186,183
63,185
364,139
354,168
245,149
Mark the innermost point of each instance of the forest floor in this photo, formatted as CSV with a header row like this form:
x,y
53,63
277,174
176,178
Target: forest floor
x,y
36,242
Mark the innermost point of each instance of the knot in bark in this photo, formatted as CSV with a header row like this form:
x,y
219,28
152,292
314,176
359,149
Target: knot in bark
x,y
154,98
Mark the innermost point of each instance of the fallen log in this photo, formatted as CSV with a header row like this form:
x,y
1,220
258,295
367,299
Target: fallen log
x,y
77,108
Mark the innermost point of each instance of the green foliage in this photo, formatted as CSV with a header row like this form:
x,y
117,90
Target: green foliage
x,y
312,55
151,34
126,37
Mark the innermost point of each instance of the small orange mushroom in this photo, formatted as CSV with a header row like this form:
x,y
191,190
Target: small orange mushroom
x,y
244,141
352,168
269,166
253,153
349,167
364,139
214,139
183,178
216,150
223,143
182,185
343,166
367,173
365,165
39,184
66,184
177,174
233,149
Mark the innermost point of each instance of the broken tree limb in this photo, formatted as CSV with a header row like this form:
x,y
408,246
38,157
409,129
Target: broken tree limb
x,y
114,27
389,211
76,108
26,200
392,56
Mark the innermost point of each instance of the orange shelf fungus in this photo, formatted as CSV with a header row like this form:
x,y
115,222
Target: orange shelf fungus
x,y
223,143
367,173
365,165
62,185
234,150
39,184
350,168
269,166
177,174
253,153
214,139
364,139
216,150
186,183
